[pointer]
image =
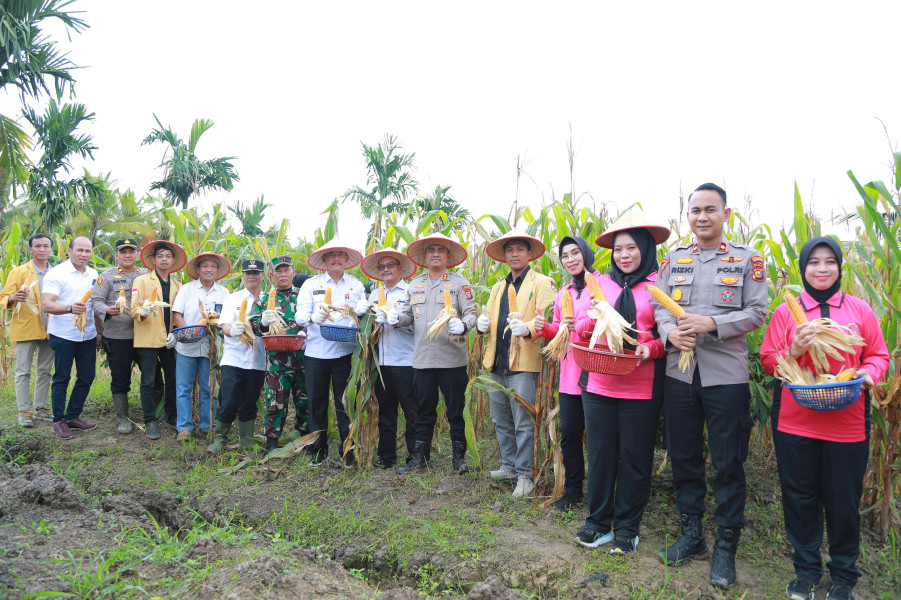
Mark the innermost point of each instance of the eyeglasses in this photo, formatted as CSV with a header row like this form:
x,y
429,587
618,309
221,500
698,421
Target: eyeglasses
x,y
387,266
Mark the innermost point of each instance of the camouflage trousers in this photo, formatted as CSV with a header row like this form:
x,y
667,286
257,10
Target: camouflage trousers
x,y
284,380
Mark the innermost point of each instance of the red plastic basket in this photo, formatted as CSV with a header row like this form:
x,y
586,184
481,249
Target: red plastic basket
x,y
284,343
600,360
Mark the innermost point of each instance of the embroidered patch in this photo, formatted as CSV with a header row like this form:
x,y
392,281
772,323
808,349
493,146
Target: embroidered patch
x,y
731,259
685,261
445,276
728,295
467,290
318,292
419,287
721,247
679,279
347,296
677,294
99,280
116,277
757,274
663,266
417,309
553,286
729,280
695,248
447,286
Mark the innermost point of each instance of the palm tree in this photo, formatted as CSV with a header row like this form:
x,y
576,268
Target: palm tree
x,y
437,205
107,211
251,217
184,174
57,135
390,177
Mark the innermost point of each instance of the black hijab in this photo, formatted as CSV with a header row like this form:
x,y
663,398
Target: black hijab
x,y
821,296
587,258
625,304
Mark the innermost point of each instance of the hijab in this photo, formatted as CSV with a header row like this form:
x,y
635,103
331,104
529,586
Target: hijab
x,y
821,296
625,304
587,258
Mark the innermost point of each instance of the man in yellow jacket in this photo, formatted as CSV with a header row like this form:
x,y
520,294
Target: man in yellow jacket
x,y
22,297
512,352
151,308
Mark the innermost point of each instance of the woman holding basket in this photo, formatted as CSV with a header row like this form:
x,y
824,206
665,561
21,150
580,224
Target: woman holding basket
x,y
822,455
622,412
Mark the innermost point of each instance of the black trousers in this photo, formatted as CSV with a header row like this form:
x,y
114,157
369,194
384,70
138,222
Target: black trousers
x,y
621,434
687,406
572,427
452,383
120,354
394,389
239,391
320,372
150,357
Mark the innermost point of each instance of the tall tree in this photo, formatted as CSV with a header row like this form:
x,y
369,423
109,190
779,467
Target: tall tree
x,y
389,175
57,134
107,211
184,174
251,217
443,209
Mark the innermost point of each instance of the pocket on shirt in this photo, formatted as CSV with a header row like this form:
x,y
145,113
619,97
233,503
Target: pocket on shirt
x,y
417,304
727,290
680,284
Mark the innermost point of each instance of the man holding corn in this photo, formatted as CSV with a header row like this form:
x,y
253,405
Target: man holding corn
x,y
512,352
21,295
72,328
720,289
273,313
441,307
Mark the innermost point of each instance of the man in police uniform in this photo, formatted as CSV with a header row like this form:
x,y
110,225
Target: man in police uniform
x,y
439,362
722,287
118,326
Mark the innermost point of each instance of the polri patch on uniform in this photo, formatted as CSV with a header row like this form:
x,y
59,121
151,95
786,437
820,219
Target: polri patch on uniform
x,y
99,280
757,268
467,290
728,295
731,259
685,261
728,281
663,266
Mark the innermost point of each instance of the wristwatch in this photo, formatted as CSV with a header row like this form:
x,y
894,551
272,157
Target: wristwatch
x,y
69,308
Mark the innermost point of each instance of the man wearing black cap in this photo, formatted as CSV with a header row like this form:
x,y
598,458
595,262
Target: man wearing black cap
x,y
118,327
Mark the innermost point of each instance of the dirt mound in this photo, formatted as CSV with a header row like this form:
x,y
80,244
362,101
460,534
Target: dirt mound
x,y
36,485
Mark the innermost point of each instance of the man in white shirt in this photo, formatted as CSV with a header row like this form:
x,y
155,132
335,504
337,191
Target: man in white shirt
x,y
192,359
61,298
243,366
328,362
395,352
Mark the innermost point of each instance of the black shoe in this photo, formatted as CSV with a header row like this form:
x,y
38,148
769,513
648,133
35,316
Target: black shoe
x,y
840,591
459,451
625,545
800,588
170,420
317,457
381,463
418,461
568,500
690,544
592,538
271,444
722,566
153,430
350,460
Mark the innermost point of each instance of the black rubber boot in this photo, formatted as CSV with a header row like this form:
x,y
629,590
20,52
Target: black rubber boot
x,y
271,444
458,462
722,567
690,544
417,462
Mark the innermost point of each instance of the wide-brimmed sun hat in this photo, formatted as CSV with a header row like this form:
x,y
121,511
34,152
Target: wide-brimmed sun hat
x,y
371,262
315,260
225,267
633,219
180,257
416,250
496,248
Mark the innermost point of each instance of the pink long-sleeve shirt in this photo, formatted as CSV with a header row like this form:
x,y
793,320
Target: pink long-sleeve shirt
x,y
639,384
846,425
569,370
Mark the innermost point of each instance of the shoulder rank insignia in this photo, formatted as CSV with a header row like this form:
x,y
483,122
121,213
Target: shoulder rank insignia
x,y
695,248
677,294
663,266
721,248
445,276
731,259
685,261
729,280
728,295
99,280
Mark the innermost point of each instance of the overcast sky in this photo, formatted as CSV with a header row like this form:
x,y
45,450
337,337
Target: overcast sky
x,y
660,96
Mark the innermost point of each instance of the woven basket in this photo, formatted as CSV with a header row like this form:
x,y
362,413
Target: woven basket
x,y
284,343
601,360
190,333
827,396
338,333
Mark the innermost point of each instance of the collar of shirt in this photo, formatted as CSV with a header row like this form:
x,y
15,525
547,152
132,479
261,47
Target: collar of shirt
x,y
518,281
37,270
808,303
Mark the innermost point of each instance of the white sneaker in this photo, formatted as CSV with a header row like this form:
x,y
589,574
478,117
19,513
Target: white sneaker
x,y
502,475
524,487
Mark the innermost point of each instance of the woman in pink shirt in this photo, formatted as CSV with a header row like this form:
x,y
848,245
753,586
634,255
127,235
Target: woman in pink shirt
x,y
823,456
622,412
577,258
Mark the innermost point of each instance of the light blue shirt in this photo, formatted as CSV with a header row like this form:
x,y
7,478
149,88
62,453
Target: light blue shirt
x,y
395,343
345,295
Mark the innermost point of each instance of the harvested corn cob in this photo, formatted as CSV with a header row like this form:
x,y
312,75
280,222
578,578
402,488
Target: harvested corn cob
x,y
121,301
846,375
383,297
247,337
152,296
607,321
278,326
830,338
81,321
242,312
687,356
270,305
447,313
513,313
558,347
511,300
328,297
31,299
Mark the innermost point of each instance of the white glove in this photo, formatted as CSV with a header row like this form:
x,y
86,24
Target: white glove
x,y
269,317
518,328
237,329
319,315
455,326
483,322
362,306
170,341
391,317
146,309
302,334
380,317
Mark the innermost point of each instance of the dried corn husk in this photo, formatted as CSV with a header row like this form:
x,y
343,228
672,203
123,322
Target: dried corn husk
x,y
558,347
31,299
830,338
440,322
121,302
247,337
607,321
210,318
686,357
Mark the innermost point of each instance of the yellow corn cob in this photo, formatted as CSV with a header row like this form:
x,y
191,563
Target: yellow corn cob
x,y
383,297
448,303
86,297
665,301
242,312
122,291
566,305
794,308
846,375
271,304
328,296
594,287
29,280
152,296
511,299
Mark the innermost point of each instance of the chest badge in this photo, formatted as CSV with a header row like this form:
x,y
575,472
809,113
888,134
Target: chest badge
x,y
679,280
728,295
729,280
685,261
731,259
677,294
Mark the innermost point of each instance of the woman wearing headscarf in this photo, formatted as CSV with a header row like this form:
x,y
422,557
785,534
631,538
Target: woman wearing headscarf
x,y
823,456
577,258
622,412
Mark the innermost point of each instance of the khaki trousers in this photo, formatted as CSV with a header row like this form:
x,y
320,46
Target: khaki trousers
x,y
25,352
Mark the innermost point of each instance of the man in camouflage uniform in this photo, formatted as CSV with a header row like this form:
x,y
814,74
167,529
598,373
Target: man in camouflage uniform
x,y
284,371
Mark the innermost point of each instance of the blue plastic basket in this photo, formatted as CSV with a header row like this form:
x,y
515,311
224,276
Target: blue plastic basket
x,y
190,333
338,333
827,396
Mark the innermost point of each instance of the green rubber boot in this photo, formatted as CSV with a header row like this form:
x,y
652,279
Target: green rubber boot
x,y
221,438
245,430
